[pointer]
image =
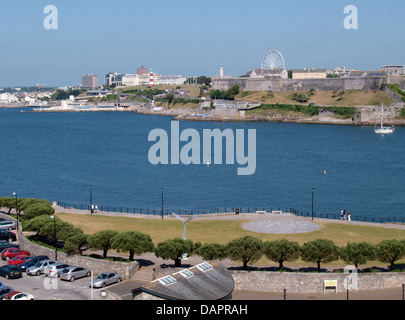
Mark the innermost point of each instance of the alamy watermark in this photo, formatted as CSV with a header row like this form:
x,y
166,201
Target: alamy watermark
x,y
351,281
212,142
351,21
51,20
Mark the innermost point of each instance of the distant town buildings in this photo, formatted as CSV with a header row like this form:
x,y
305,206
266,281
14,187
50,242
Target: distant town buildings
x,y
309,73
89,81
393,70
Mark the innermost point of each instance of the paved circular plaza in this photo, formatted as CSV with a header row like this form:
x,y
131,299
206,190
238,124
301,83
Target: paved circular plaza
x,y
280,226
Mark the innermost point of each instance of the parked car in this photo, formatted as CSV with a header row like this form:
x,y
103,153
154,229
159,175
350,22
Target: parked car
x,y
72,273
10,253
5,290
38,268
7,224
10,272
105,279
31,261
18,259
17,295
7,235
55,270
6,245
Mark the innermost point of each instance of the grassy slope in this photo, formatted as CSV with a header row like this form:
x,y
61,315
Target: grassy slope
x,y
350,98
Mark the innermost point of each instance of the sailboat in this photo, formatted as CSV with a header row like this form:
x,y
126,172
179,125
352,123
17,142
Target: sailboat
x,y
382,129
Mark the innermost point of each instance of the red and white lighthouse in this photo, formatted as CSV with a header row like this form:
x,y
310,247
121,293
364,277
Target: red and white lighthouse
x,y
151,80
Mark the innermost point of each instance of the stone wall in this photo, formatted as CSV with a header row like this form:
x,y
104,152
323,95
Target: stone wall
x,y
267,281
329,84
125,269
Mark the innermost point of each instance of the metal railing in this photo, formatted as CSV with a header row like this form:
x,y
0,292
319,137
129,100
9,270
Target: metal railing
x,y
241,210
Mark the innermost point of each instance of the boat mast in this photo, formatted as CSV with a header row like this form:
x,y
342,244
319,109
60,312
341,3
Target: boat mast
x,y
382,115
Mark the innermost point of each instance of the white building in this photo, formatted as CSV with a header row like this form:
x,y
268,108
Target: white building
x,y
8,98
171,80
309,73
267,73
130,80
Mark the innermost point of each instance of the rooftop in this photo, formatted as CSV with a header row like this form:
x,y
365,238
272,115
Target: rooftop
x,y
205,281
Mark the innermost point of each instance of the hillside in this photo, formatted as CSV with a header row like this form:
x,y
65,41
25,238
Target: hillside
x,y
323,98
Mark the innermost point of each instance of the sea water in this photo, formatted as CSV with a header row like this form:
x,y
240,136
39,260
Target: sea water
x,y
57,156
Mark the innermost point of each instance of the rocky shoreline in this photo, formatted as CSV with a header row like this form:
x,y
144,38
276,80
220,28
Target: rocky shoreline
x,y
211,115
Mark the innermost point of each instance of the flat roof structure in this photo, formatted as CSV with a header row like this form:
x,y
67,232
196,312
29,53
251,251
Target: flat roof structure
x,y
205,281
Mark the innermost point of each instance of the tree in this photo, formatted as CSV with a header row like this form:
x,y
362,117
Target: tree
x,y
173,249
38,209
358,253
64,230
36,224
204,80
77,243
133,242
102,240
319,251
302,97
281,251
216,94
247,249
25,203
231,92
390,251
212,251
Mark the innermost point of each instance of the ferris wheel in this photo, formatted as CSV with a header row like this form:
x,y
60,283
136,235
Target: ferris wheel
x,y
273,60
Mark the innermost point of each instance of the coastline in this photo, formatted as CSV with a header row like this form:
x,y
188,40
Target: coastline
x,y
193,114
189,115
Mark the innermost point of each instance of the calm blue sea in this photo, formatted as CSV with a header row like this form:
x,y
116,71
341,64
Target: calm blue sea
x,y
57,156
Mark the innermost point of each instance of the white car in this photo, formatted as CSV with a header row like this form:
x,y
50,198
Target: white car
x,y
55,270
17,295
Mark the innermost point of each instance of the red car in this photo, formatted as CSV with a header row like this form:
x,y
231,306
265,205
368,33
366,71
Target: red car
x,y
18,259
10,253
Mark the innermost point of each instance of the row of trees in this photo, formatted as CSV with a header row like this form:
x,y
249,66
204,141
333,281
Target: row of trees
x,y
249,250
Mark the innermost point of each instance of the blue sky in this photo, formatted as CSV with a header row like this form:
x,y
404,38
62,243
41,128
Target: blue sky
x,y
191,37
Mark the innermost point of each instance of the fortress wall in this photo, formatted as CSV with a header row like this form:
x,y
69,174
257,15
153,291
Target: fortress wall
x,y
328,84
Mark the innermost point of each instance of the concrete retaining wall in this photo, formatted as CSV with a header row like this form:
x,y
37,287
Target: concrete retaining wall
x,y
267,281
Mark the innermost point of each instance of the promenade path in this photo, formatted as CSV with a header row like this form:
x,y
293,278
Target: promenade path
x,y
284,223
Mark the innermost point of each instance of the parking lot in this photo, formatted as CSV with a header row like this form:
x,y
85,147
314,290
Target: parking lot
x,y
46,288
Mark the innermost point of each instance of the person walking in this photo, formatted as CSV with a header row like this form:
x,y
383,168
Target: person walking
x,y
349,216
344,214
341,214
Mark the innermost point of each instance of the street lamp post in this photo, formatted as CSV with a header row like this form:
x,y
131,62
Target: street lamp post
x,y
312,204
91,199
162,203
54,237
16,209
